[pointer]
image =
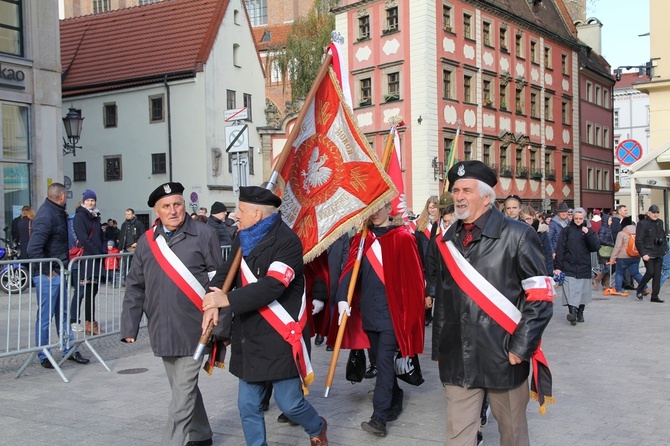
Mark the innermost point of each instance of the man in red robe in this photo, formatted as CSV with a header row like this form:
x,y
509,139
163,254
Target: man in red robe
x,y
387,311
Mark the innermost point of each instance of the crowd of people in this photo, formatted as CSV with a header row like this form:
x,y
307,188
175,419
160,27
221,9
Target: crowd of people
x,y
483,272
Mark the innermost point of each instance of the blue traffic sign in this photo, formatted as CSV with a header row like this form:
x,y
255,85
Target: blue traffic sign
x,y
628,151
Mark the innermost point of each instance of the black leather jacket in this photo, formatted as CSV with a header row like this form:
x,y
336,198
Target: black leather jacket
x,y
472,349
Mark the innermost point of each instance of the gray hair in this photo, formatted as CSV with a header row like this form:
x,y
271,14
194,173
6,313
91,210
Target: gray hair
x,y
580,210
486,190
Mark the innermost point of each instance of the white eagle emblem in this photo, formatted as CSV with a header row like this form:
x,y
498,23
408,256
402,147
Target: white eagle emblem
x,y
166,188
316,174
461,170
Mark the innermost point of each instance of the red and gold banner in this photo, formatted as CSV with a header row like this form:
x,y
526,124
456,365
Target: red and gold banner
x,y
331,180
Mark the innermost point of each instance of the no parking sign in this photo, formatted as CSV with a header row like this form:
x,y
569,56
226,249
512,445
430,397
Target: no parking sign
x,y
628,151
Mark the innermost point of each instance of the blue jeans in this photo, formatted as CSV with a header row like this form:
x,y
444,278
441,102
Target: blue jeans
x,y
290,400
633,266
665,271
48,299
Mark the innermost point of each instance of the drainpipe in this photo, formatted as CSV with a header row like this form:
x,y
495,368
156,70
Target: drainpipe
x,y
169,123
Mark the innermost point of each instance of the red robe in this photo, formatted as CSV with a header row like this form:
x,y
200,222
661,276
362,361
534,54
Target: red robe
x,y
405,291
318,269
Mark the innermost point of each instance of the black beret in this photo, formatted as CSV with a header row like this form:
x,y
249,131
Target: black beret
x,y
164,190
471,169
259,195
218,207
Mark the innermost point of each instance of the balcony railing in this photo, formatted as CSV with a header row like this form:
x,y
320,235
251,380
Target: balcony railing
x,y
505,170
521,172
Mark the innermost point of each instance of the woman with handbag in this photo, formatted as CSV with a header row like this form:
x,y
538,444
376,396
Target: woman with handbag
x,y
604,253
575,244
88,229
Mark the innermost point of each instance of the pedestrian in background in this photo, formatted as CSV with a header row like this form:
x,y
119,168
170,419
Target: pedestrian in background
x,y
651,242
557,224
88,228
131,231
225,227
427,228
512,207
24,230
573,258
49,239
625,263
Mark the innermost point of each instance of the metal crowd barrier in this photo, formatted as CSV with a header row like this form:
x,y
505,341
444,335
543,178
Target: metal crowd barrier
x,y
21,311
90,290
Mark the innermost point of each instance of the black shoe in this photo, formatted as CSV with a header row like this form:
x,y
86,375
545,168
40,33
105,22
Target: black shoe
x,y
284,419
371,372
572,315
480,438
639,295
329,348
428,321
265,407
207,442
46,364
76,357
318,340
374,426
657,300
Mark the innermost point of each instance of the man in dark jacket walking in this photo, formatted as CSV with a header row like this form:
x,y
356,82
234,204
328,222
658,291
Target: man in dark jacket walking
x,y
652,245
131,231
493,301
224,226
173,264
49,240
270,337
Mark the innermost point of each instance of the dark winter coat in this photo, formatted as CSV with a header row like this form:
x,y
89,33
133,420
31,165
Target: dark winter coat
x,y
24,228
471,348
49,234
605,232
573,252
131,231
258,352
225,229
650,238
174,322
556,225
88,230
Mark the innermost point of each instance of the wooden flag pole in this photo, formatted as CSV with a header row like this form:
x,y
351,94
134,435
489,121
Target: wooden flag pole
x,y
386,159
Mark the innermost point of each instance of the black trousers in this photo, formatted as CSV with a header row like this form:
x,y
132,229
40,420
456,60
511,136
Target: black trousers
x,y
388,395
653,267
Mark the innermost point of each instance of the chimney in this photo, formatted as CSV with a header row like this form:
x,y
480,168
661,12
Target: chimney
x,y
590,32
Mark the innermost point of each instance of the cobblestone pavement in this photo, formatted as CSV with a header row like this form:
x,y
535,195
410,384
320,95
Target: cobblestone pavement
x,y
611,380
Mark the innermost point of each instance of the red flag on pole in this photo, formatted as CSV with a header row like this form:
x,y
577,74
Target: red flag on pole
x,y
331,180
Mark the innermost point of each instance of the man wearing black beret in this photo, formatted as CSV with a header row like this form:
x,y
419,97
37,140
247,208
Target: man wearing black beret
x,y
270,337
172,265
492,303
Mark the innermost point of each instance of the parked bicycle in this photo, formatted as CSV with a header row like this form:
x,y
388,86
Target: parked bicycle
x,y
14,277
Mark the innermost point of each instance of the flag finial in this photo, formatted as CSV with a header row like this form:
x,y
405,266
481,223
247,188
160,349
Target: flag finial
x,y
336,37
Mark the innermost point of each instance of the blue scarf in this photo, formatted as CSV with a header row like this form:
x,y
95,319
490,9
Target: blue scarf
x,y
250,237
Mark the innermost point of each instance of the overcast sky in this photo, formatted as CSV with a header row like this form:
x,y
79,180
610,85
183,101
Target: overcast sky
x,y
623,21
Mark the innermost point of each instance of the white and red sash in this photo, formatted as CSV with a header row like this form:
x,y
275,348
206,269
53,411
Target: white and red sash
x,y
176,270
501,310
374,256
277,316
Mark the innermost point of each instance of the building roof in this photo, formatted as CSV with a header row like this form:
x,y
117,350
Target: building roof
x,y
595,62
629,79
138,45
267,37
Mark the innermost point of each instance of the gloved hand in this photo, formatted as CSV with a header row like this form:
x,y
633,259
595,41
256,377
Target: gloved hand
x,y
318,306
343,307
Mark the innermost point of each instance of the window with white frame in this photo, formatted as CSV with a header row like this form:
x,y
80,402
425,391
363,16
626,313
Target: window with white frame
x,y
548,107
448,82
518,45
258,12
590,178
364,27
109,114
391,19
365,91
486,33
467,25
547,57
533,51
156,109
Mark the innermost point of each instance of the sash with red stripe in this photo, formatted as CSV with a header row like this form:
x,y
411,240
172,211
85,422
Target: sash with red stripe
x,y
277,316
501,310
175,269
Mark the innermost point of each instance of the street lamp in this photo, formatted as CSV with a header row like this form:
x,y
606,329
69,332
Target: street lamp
x,y
73,123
